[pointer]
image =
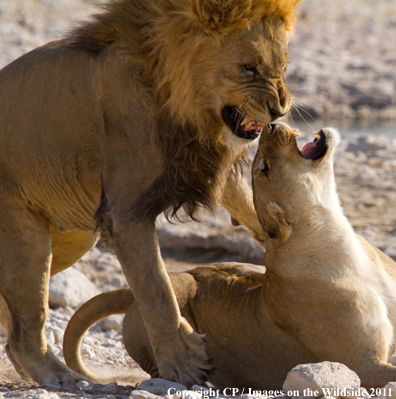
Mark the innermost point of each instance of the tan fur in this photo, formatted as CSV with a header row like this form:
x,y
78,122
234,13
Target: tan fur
x,y
121,121
327,294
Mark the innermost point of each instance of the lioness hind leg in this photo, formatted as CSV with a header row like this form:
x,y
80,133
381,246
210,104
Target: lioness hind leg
x,y
25,256
375,374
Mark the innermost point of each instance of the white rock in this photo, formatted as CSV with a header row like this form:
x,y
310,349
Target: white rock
x,y
70,288
113,322
316,376
49,335
87,351
40,394
140,394
159,386
389,391
85,384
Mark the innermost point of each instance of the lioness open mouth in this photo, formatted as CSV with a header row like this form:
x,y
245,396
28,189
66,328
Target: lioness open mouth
x,y
243,128
317,148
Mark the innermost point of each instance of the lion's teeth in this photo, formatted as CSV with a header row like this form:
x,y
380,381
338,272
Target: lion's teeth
x,y
248,126
260,124
245,121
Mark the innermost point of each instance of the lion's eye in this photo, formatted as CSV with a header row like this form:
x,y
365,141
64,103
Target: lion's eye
x,y
251,68
284,68
266,168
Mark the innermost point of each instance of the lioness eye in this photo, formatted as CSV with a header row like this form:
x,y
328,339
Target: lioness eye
x,y
250,68
266,168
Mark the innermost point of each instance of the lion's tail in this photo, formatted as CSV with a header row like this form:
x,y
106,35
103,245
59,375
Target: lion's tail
x,y
98,307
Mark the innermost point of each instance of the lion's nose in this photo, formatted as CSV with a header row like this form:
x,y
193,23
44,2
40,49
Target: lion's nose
x,y
276,113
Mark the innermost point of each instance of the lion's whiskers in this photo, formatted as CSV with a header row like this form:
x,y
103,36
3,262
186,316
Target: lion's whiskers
x,y
297,106
240,113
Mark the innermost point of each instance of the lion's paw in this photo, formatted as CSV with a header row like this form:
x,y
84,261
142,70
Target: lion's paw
x,y
63,378
45,369
184,359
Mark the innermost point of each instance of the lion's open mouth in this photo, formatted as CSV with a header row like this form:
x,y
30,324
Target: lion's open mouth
x,y
242,127
317,148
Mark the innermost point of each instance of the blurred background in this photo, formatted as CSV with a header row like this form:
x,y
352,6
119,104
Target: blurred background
x,y
342,63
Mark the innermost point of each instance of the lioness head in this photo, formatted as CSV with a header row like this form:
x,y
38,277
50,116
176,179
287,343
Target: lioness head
x,y
289,184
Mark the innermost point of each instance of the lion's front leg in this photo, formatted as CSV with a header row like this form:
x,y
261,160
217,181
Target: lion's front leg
x,y
238,200
178,350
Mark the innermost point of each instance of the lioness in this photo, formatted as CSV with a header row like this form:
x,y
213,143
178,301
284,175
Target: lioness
x,y
144,109
327,294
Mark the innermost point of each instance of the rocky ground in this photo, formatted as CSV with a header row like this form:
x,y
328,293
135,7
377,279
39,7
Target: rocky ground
x,y
342,69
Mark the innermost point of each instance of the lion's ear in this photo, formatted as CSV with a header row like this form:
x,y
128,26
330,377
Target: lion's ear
x,y
223,16
220,16
277,226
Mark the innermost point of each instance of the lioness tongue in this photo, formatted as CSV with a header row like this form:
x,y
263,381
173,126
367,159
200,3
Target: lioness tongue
x,y
309,149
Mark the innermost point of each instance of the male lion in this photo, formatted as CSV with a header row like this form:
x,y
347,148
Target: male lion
x,y
327,294
145,109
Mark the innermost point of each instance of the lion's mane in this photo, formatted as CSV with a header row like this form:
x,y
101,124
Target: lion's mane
x,y
167,38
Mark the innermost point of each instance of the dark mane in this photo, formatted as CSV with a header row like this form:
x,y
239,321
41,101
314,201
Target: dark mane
x,y
192,176
116,19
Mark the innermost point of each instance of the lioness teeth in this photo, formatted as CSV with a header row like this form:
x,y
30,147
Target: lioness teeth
x,y
249,126
295,132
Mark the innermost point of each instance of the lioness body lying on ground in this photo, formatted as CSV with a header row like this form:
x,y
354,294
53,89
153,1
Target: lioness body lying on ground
x,y
327,294
144,109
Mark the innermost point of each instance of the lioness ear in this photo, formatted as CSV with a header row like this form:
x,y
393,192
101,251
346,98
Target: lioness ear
x,y
277,226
